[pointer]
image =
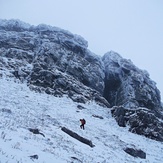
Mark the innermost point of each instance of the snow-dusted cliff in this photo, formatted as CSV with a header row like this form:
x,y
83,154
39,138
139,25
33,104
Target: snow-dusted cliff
x,y
127,85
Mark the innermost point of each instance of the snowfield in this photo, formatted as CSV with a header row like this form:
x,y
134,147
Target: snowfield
x,y
21,109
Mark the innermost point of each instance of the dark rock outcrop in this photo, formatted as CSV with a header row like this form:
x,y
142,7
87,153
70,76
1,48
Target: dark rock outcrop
x,y
78,137
76,159
36,131
97,116
34,157
141,121
135,152
5,110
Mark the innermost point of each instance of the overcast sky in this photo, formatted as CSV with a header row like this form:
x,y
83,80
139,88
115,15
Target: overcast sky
x,y
133,28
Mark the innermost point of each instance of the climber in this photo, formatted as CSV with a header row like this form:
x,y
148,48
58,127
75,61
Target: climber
x,y
82,123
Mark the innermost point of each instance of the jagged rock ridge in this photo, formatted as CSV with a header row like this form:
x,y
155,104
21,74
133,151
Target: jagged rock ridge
x,y
57,62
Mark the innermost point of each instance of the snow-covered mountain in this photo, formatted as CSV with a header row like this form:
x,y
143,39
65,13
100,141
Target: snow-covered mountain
x,y
50,79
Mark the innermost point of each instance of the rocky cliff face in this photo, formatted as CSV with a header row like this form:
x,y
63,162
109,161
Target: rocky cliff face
x,y
51,60
57,62
127,85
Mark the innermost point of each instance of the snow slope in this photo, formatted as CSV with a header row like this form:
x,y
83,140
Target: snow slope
x,y
21,109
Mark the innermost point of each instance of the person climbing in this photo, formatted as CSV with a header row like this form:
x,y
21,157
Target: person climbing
x,y
82,123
